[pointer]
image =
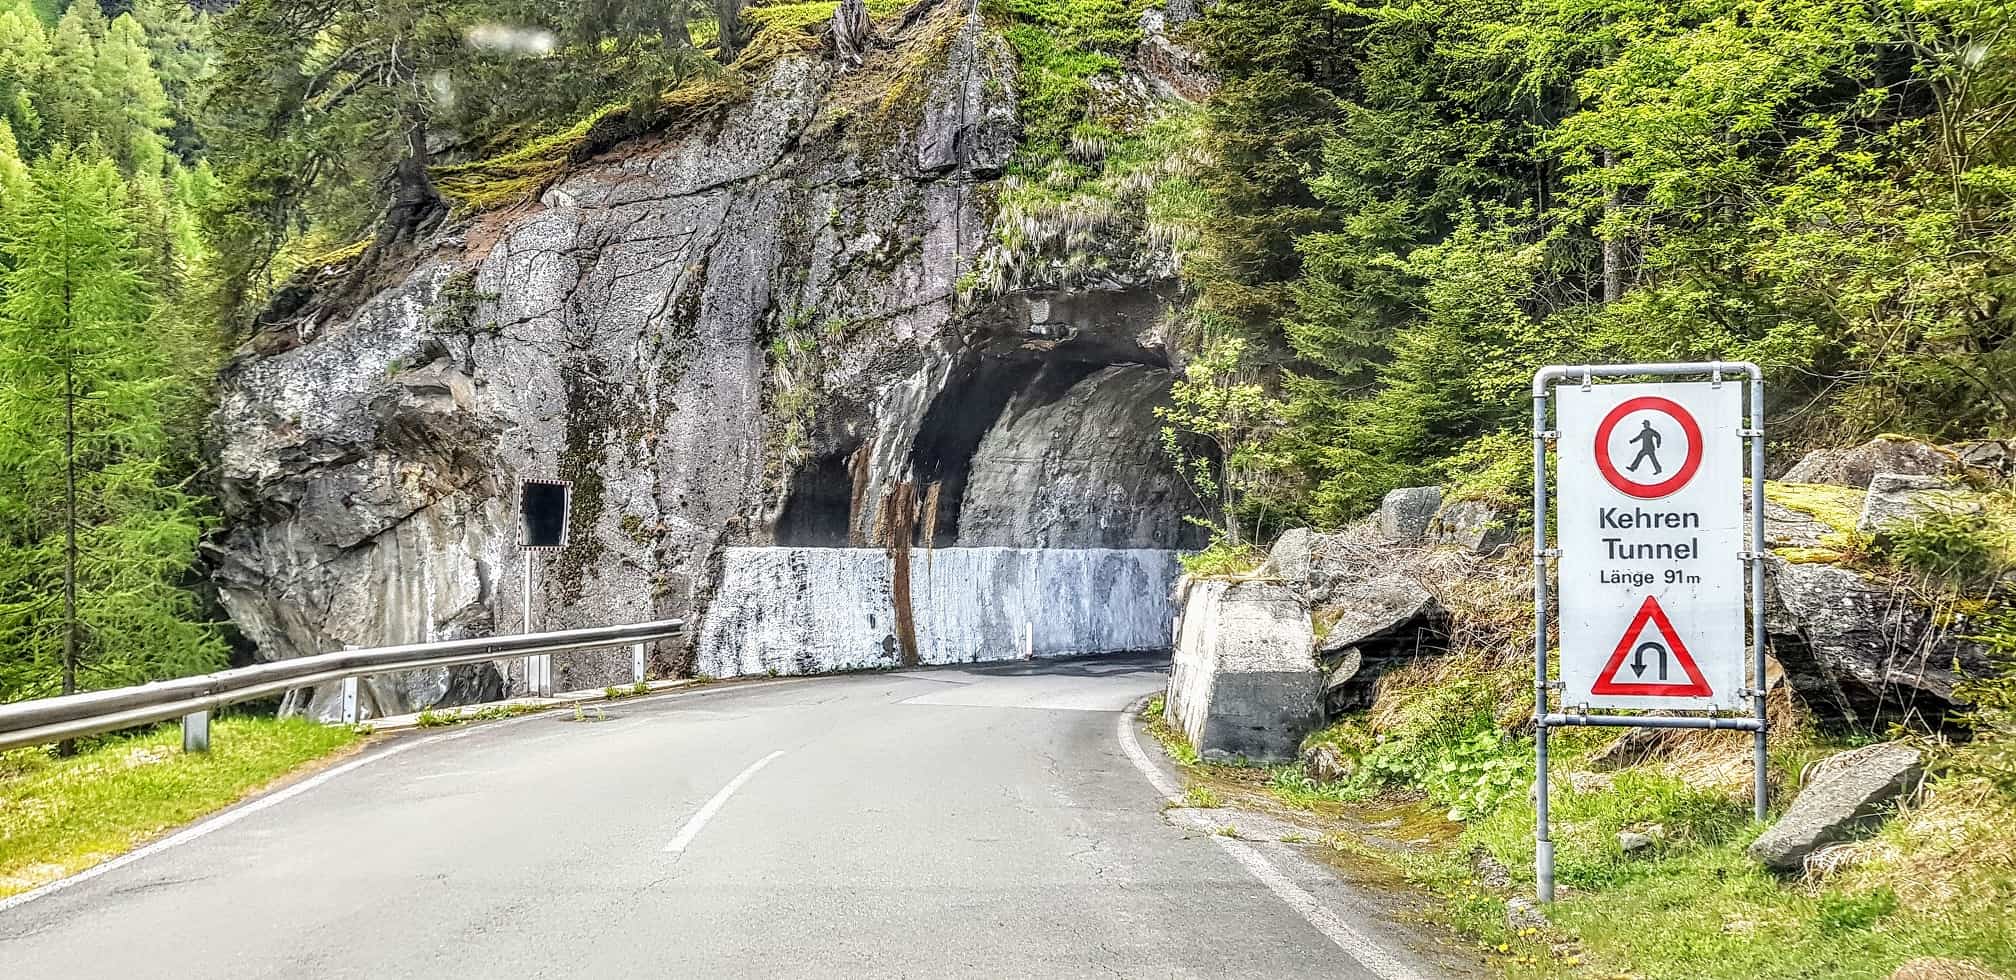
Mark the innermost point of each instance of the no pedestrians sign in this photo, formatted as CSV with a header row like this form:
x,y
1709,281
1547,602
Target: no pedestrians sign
x,y
1650,517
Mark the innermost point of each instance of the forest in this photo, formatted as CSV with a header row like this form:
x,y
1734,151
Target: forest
x,y
1387,215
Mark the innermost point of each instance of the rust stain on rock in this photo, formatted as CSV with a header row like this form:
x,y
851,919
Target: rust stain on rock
x,y
900,524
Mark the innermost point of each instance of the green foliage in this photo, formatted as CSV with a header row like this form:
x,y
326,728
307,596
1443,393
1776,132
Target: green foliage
x,y
1223,558
1416,204
86,396
1960,550
1220,404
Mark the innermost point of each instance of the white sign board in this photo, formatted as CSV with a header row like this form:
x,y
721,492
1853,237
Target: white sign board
x,y
1649,508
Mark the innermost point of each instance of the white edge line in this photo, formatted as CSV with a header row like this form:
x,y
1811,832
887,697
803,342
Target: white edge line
x,y
218,822
1354,943
243,810
699,820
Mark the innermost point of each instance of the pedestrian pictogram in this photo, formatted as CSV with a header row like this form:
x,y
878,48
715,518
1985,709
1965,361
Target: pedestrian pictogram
x,y
1658,661
1663,433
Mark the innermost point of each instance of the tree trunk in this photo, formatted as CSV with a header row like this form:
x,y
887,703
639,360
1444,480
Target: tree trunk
x,y
728,17
1613,246
67,746
416,205
672,25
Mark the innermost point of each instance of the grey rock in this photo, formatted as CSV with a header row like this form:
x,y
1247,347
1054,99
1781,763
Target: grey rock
x,y
1490,872
1858,651
1475,526
1405,513
969,105
1590,782
1846,795
1899,497
619,333
1375,624
1243,683
1524,913
1368,611
1324,763
1290,556
1996,457
1086,469
1857,465
1633,843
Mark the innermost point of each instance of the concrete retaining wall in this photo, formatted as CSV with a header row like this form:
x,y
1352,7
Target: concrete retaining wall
x,y
1244,683
809,610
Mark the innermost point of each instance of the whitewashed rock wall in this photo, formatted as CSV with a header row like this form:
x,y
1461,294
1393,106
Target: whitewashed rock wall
x,y
806,610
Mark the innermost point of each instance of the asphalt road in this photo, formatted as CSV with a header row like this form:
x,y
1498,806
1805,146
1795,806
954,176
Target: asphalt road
x,y
982,822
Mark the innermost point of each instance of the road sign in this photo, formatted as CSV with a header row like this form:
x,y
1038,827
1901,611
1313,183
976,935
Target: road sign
x,y
1650,511
542,513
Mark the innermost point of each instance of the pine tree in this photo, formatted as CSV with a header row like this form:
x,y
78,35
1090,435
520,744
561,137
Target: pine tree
x,y
135,112
93,542
73,105
24,67
178,40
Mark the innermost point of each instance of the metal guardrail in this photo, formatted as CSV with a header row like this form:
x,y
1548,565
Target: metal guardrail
x,y
53,719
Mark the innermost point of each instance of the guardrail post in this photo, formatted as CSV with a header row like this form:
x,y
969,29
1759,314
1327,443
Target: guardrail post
x,y
196,731
350,701
637,663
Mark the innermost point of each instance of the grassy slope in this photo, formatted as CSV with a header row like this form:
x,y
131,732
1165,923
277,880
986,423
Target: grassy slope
x,y
59,816
1938,880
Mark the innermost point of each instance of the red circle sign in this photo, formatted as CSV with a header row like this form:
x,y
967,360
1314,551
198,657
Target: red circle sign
x,y
1649,491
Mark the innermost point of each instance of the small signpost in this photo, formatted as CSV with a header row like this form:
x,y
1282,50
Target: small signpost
x,y
542,526
1654,569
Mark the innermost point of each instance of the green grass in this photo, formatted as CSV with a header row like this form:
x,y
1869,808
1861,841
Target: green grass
x,y
60,816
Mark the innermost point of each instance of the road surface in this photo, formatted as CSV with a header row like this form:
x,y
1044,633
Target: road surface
x,y
977,822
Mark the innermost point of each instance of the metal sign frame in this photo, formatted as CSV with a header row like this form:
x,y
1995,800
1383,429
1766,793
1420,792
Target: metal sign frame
x,y
1544,381
567,505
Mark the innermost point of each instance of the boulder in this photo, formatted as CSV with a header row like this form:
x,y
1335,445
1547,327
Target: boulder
x,y
1846,795
1632,842
1994,457
1405,513
1290,557
1859,652
1939,968
1895,497
1243,683
1325,763
1856,466
1476,526
1375,624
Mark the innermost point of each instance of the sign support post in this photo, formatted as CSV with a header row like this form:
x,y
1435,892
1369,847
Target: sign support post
x,y
1681,554
542,513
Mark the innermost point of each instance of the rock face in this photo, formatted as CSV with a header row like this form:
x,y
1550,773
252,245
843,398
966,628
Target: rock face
x,y
1846,794
1856,466
1243,683
744,330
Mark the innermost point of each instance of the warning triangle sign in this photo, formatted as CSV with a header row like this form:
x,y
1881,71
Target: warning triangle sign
x,y
1654,663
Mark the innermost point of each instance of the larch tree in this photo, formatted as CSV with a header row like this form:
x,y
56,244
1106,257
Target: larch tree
x,y
95,543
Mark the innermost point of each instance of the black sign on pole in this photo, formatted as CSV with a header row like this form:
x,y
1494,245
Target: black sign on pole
x,y
542,514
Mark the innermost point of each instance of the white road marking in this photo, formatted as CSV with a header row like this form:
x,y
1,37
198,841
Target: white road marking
x,y
1354,943
699,820
229,817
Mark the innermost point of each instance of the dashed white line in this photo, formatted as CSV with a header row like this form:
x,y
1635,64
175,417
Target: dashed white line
x,y
699,820
1354,943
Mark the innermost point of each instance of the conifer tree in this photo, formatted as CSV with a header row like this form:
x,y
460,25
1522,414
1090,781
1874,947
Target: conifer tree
x,y
73,101
24,69
135,111
93,542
